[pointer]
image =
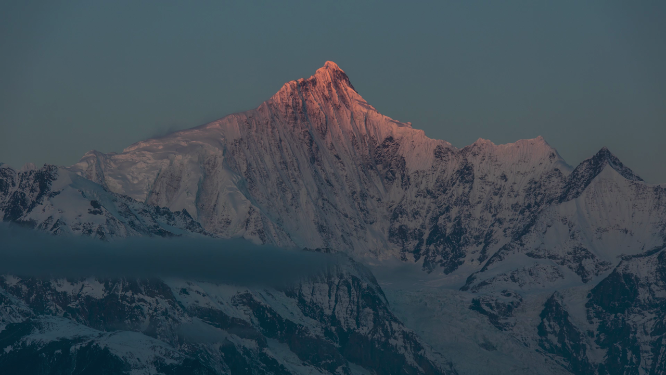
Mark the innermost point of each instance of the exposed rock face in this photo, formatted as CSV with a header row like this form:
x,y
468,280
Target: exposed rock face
x,y
498,308
337,322
558,335
617,328
629,308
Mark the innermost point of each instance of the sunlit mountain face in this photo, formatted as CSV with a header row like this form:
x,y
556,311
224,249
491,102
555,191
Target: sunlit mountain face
x,y
488,259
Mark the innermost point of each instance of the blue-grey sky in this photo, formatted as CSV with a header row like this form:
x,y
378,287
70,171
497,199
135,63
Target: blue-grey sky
x,y
81,75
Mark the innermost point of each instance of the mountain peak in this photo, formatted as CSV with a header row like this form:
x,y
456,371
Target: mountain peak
x,y
330,73
331,66
604,157
329,81
590,168
604,153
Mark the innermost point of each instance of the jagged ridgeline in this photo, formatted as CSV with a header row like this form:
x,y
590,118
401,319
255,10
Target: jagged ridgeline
x,y
563,264
317,166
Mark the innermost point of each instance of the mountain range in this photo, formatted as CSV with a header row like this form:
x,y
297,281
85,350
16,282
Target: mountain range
x,y
552,269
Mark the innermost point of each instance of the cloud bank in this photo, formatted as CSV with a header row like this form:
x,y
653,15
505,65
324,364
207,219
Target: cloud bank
x,y
29,253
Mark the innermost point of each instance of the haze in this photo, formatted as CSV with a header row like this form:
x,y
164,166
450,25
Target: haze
x,y
26,253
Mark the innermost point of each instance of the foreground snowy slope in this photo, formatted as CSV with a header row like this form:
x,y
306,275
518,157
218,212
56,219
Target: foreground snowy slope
x,y
336,322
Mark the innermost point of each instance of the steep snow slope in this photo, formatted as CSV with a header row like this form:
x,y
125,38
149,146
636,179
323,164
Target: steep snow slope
x,y
603,213
58,201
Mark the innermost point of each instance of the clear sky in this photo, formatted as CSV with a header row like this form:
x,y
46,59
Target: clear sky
x,y
82,75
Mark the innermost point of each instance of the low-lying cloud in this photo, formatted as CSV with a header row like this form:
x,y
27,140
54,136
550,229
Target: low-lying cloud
x,y
35,254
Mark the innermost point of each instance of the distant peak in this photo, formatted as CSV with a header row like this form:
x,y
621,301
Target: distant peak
x,y
28,167
604,153
538,142
590,168
605,156
483,142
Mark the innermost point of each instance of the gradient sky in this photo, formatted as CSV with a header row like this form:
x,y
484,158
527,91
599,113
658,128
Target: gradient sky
x,y
82,75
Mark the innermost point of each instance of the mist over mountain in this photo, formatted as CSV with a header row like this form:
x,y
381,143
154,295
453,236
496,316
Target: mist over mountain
x,y
489,259
31,254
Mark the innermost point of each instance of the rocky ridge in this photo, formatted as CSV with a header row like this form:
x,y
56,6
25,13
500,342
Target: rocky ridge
x,y
337,322
562,263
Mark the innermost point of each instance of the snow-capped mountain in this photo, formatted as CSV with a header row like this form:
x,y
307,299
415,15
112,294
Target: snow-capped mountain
x,y
302,169
548,268
603,212
317,166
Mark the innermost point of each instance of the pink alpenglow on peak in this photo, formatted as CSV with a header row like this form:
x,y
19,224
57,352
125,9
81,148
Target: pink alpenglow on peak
x,y
329,67
330,73
317,156
332,65
329,81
